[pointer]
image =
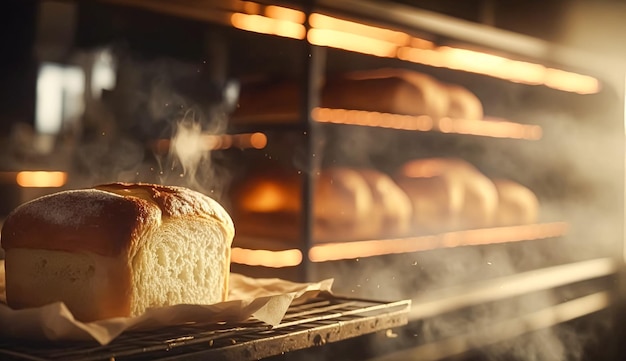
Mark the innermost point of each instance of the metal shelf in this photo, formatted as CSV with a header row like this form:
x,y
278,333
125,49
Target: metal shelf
x,y
318,321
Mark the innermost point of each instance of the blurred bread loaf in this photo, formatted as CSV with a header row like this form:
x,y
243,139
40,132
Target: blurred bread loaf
x,y
386,90
267,203
463,104
118,249
448,193
344,206
391,201
435,201
421,93
385,95
517,204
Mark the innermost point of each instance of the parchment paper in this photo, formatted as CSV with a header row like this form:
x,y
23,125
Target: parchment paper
x,y
264,299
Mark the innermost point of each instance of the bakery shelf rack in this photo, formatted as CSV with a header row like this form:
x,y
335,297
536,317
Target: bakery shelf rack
x,y
554,118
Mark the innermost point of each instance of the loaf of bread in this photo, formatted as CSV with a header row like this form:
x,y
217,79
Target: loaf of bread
x,y
448,194
387,90
344,206
413,93
463,104
386,95
517,204
436,202
117,250
390,201
268,204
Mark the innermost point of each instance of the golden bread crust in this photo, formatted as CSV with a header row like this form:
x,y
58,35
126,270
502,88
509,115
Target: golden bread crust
x,y
107,220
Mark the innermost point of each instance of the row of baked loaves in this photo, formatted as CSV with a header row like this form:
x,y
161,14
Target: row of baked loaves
x,y
387,90
426,196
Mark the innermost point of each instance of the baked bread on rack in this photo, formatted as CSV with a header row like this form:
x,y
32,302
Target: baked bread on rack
x,y
116,250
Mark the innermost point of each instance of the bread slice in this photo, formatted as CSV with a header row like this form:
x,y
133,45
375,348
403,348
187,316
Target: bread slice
x,y
117,250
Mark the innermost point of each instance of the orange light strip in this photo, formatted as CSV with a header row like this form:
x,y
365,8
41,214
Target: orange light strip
x,y
493,127
250,7
267,25
352,42
320,21
286,14
274,259
353,36
500,67
372,119
210,142
361,249
41,179
490,128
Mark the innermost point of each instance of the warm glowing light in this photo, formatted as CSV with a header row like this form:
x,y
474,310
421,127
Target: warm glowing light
x,y
281,13
226,142
351,42
571,82
372,119
422,56
490,128
266,25
258,140
527,73
209,142
361,249
358,37
492,65
421,43
41,179
274,259
500,67
319,21
467,59
268,197
250,7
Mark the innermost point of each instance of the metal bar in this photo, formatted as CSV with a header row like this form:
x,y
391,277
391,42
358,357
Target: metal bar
x,y
329,312
455,298
302,338
314,59
504,330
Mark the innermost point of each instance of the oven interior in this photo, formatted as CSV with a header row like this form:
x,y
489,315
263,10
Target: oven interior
x,y
214,95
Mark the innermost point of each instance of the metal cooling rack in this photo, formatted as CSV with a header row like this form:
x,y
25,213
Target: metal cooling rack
x,y
317,322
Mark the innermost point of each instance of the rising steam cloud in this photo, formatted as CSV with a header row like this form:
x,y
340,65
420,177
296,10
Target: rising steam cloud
x,y
187,146
157,100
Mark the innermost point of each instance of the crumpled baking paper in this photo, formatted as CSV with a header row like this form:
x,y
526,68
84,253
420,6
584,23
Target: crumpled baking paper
x,y
266,300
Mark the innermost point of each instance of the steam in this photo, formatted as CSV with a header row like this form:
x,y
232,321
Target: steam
x,y
152,127
575,170
188,152
187,146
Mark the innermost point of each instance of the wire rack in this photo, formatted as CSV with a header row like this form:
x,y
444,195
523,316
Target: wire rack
x,y
314,323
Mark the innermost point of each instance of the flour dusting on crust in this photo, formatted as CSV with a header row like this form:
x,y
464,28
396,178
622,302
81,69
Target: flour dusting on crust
x,y
69,208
